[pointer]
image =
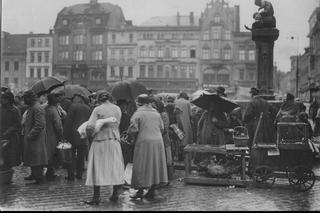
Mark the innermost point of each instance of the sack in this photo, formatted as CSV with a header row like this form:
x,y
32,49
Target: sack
x,y
177,131
64,152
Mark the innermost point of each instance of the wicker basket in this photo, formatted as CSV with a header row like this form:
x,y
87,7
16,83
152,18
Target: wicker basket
x,y
240,136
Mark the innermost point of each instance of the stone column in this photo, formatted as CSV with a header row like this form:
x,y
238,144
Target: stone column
x,y
264,39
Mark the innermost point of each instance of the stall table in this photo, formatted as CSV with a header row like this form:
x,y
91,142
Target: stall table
x,y
227,149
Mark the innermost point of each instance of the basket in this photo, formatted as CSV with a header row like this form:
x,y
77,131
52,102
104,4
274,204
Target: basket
x,y
240,136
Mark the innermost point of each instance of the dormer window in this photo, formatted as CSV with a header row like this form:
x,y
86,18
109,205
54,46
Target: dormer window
x,y
98,21
65,22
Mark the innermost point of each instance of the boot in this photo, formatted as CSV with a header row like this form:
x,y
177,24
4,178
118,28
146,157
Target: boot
x,y
150,193
138,195
96,196
115,194
170,172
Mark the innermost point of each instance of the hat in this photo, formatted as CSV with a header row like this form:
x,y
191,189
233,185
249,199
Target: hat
x,y
254,91
143,99
9,95
289,97
221,89
170,99
184,95
103,95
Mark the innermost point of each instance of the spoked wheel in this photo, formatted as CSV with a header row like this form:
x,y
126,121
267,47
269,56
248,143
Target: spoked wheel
x,y
264,176
301,178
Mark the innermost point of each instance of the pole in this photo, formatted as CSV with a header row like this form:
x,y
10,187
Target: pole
x,y
0,56
297,77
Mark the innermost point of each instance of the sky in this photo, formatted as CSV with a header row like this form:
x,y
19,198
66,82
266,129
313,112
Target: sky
x,y
38,16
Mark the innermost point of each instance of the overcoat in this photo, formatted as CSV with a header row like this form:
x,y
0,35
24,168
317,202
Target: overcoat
x,y
35,149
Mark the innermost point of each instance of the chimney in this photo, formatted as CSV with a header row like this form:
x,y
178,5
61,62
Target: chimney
x,y
178,19
93,2
191,19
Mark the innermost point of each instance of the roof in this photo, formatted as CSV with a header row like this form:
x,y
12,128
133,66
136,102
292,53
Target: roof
x,y
171,21
15,43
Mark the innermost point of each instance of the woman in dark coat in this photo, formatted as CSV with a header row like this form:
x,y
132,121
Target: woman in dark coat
x,y
10,130
54,132
35,149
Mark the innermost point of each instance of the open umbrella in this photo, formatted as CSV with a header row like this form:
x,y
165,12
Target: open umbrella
x,y
47,84
128,90
70,90
222,103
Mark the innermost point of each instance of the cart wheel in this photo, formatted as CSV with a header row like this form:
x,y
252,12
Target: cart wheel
x,y
263,175
301,178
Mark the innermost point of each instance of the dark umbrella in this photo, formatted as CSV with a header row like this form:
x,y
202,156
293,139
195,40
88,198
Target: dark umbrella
x,y
128,90
223,104
71,90
47,84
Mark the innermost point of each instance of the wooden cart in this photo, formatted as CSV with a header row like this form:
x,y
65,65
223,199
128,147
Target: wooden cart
x,y
228,149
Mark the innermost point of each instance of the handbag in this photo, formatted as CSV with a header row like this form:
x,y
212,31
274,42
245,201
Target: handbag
x,y
64,151
177,131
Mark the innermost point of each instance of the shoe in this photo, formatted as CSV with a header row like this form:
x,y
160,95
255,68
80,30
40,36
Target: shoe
x,y
94,201
30,177
150,195
137,195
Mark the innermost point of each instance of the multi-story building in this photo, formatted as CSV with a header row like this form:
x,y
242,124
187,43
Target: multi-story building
x,y
122,53
314,35
39,57
13,62
168,53
81,42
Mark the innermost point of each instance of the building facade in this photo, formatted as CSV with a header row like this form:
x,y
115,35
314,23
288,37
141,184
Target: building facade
x,y
39,57
314,36
168,54
81,42
13,63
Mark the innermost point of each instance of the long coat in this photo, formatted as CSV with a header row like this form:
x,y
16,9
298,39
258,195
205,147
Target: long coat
x,y
78,113
54,129
149,160
266,134
35,148
183,115
11,129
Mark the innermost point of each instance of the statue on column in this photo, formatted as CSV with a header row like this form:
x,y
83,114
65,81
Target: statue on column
x,y
264,18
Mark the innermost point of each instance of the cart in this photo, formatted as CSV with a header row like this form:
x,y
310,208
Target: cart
x,y
290,156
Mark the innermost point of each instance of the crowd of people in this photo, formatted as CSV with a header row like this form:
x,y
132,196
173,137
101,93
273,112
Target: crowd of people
x,y
35,125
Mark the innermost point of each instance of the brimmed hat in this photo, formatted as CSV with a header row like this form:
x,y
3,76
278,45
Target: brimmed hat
x,y
103,95
9,95
143,99
254,91
221,89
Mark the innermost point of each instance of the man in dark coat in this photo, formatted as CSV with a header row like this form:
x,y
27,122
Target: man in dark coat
x,y
35,149
10,130
256,106
78,113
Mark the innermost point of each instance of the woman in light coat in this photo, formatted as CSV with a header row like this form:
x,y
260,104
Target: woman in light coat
x,y
149,159
105,161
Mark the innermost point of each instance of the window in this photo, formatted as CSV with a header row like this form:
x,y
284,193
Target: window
x,y
121,51
205,53
252,55
251,76
98,21
65,22
227,53
46,57
112,72
113,52
130,72
64,55
192,53
78,55
121,72
216,54
206,35
217,19
78,39
39,57
32,57
16,66
15,81
183,71
174,52
151,52
46,72
175,71
130,52
131,38
227,35
33,42
143,52
151,71
192,70
39,72
97,56
241,74
242,55
216,34
160,71
6,81
113,38
142,71
31,72
223,78
47,42
39,42
160,52
7,65
97,39
64,40
184,52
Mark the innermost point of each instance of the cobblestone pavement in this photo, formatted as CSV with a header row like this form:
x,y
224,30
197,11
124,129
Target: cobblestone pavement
x,y
61,195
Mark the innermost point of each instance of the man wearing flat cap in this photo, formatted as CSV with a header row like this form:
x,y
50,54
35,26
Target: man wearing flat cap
x,y
35,149
256,106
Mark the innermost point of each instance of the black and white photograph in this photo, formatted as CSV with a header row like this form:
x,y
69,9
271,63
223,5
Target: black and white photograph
x,y
160,105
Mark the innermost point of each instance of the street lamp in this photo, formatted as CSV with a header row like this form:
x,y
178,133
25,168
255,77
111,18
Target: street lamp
x,y
297,65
